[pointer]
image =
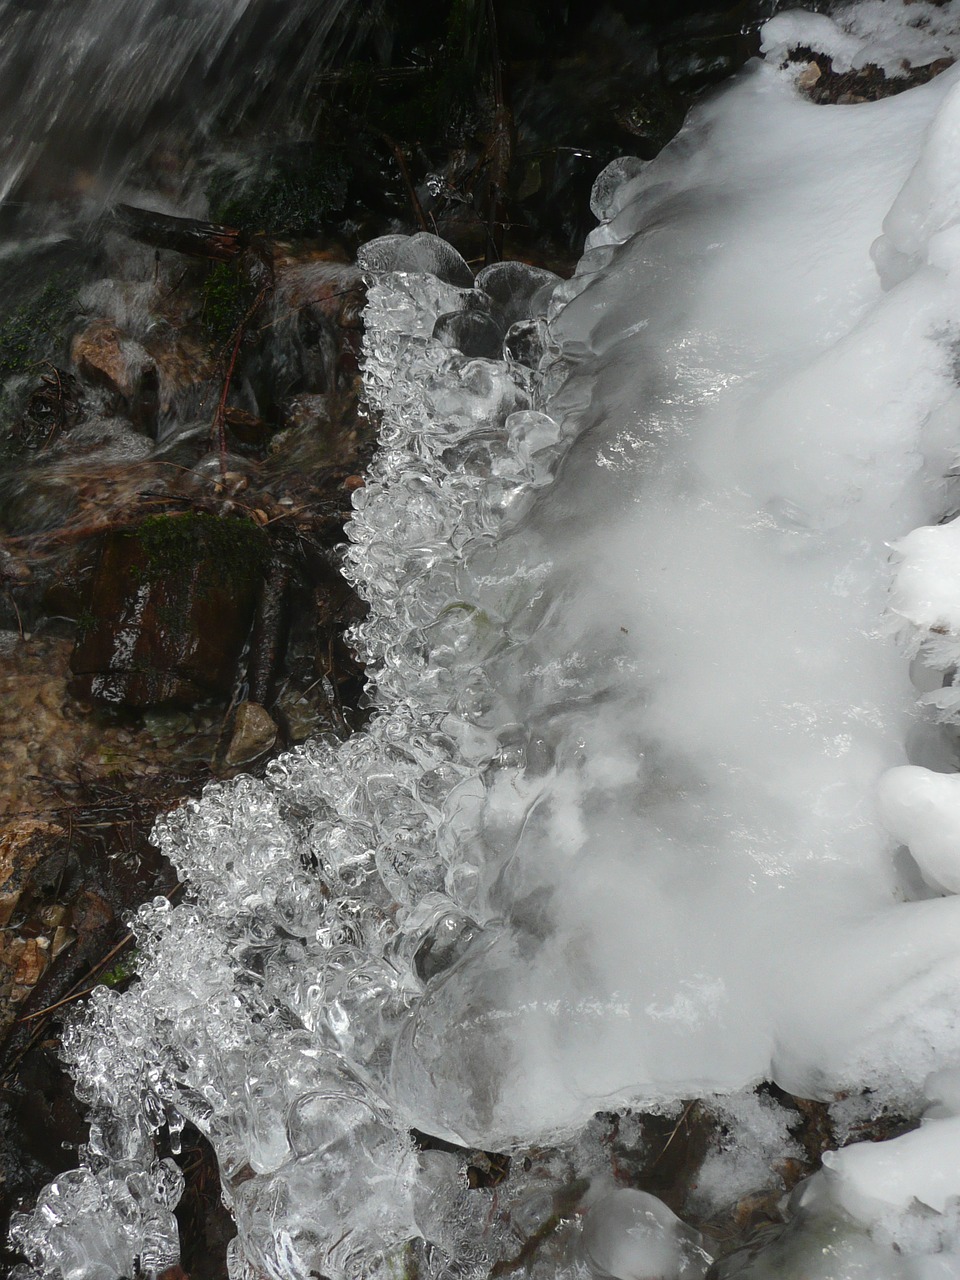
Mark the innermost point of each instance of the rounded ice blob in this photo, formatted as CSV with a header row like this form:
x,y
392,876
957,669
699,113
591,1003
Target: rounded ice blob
x,y
926,587
630,1235
420,254
609,193
922,809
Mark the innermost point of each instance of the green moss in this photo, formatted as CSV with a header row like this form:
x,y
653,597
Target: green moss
x,y
123,970
86,621
234,550
296,197
35,330
226,296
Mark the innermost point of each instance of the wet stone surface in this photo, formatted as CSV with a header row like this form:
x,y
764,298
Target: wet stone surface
x,y
170,607
173,611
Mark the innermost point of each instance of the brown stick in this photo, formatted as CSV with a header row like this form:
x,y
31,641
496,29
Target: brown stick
x,y
401,160
501,150
219,427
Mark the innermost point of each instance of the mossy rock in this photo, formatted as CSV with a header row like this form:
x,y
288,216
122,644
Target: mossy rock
x,y
35,330
298,195
226,296
230,547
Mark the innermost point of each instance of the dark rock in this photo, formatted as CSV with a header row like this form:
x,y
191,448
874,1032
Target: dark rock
x,y
53,406
145,403
170,608
299,357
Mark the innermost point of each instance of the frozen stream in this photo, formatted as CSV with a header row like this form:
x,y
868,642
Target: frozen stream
x,y
651,808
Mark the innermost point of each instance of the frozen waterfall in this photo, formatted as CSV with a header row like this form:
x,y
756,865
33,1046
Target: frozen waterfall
x,y
650,807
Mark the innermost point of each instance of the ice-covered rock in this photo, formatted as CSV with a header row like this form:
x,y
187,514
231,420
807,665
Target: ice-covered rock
x,y
420,254
868,33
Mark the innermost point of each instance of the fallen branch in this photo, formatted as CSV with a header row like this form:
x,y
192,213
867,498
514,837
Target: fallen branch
x,y
183,235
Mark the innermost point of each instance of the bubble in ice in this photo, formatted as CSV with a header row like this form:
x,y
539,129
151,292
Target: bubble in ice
x,y
631,1235
519,291
474,333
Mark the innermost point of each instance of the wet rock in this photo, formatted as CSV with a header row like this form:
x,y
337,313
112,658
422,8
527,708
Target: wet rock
x,y
145,403
817,78
299,357
692,62
13,570
21,847
254,732
104,356
23,959
247,430
170,608
107,358
310,411
34,953
325,280
301,716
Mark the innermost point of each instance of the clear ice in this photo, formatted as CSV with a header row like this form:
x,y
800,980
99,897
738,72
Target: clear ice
x,y
648,806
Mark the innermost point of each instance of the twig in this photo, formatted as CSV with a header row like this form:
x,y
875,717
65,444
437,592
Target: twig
x,y
502,149
73,994
407,180
219,428
17,612
676,1129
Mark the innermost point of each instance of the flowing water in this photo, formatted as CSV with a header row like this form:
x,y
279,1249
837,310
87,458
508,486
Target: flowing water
x,y
84,84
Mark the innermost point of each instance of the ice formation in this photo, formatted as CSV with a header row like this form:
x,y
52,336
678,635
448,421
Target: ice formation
x,y
868,32
630,1235
627,824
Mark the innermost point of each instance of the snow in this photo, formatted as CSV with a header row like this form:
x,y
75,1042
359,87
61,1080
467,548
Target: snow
x,y
753,1143
922,808
712,679
627,826
868,32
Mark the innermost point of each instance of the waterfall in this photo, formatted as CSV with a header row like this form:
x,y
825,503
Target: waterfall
x,y
83,83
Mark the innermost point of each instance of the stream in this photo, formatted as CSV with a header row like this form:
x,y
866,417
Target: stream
x,y
563,633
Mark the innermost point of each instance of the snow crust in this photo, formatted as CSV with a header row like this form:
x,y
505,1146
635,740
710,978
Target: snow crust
x,y
628,824
703,670
868,32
